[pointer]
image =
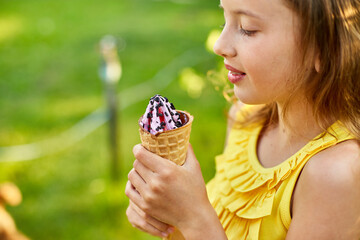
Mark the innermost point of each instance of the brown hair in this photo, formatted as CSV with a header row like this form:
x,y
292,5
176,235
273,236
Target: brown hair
x,y
329,31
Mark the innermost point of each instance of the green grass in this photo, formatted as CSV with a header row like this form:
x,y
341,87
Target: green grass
x,y
49,81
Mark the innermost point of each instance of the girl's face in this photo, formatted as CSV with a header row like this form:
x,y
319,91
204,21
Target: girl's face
x,y
259,46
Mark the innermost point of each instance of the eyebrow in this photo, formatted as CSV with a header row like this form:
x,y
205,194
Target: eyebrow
x,y
243,12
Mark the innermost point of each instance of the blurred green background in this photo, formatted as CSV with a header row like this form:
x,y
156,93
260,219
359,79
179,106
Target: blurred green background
x,y
49,81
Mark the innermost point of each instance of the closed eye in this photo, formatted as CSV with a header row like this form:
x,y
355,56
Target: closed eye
x,y
247,32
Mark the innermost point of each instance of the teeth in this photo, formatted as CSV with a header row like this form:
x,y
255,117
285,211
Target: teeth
x,y
236,73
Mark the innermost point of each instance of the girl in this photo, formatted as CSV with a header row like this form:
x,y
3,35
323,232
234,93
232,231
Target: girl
x,y
291,167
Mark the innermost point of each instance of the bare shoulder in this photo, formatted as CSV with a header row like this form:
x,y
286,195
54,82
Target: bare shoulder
x,y
326,201
339,164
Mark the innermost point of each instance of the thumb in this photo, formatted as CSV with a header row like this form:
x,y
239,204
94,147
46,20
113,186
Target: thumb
x,y
191,161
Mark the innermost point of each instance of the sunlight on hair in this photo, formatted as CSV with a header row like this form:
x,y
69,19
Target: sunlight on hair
x,y
191,82
211,39
10,27
218,78
349,15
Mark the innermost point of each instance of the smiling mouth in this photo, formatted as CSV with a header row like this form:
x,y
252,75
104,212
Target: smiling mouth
x,y
237,73
233,70
236,77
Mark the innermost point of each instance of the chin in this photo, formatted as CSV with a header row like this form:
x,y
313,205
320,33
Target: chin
x,y
246,97
250,97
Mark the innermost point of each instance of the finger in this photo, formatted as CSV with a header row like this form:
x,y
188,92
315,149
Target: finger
x,y
138,222
191,160
152,161
143,171
137,181
133,194
163,227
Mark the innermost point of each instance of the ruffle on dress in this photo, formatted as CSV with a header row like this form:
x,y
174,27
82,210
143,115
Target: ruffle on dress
x,y
243,192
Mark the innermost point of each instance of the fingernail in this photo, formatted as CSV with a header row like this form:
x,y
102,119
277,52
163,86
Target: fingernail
x,y
164,234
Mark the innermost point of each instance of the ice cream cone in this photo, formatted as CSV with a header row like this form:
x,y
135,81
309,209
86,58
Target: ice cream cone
x,y
171,144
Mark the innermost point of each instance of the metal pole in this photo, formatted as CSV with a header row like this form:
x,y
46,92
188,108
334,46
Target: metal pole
x,y
110,73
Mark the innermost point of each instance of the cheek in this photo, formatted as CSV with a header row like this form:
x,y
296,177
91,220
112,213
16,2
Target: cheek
x,y
271,64
269,68
257,55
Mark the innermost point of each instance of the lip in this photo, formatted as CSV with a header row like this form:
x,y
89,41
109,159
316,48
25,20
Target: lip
x,y
230,68
234,74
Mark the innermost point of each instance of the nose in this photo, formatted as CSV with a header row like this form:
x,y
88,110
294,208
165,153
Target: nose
x,y
224,45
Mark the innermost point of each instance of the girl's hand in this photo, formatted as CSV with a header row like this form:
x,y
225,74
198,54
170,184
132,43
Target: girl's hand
x,y
144,222
172,194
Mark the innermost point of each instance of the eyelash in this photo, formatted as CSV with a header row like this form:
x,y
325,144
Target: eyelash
x,y
246,32
243,31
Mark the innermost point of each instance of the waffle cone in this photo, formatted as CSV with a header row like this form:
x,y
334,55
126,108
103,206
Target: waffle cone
x,y
172,144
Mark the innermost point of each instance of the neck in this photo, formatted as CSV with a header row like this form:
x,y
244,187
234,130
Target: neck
x,y
280,141
299,126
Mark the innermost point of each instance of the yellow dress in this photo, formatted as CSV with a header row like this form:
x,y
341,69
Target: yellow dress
x,y
253,202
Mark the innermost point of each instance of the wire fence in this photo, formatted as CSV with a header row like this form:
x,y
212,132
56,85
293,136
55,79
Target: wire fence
x,y
97,118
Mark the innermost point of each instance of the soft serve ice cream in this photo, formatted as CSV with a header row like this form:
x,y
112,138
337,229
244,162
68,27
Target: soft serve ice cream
x,y
164,130
160,116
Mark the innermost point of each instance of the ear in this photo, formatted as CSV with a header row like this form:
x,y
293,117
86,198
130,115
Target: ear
x,y
317,63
